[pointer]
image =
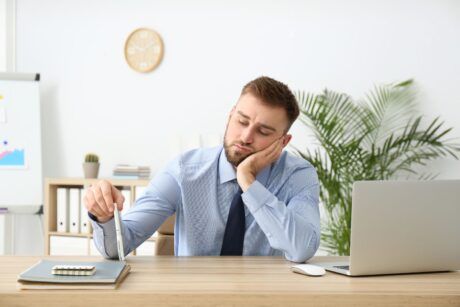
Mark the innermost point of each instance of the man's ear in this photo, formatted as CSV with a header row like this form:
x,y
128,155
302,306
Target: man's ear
x,y
286,139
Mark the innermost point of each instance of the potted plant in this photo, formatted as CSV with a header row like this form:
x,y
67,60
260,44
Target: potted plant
x,y
91,166
380,137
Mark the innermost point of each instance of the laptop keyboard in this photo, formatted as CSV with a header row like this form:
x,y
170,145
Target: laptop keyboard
x,y
343,267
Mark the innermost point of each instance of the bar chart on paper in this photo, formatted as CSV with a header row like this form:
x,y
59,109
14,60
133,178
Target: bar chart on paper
x,y
12,158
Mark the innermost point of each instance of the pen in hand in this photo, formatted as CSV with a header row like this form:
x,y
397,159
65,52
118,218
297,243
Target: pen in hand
x,y
120,247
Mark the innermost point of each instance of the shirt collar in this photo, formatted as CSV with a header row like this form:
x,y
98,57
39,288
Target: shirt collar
x,y
227,172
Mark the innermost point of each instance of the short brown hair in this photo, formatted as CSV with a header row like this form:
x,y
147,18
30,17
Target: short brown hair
x,y
274,93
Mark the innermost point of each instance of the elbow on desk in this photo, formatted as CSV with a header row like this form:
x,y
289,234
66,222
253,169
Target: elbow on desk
x,y
108,252
110,255
300,256
303,253
107,255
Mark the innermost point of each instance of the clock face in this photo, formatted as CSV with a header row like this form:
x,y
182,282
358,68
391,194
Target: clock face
x,y
144,50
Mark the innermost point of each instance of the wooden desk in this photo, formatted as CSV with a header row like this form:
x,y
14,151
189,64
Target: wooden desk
x,y
244,281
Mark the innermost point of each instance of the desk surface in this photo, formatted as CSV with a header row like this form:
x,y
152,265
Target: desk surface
x,y
203,281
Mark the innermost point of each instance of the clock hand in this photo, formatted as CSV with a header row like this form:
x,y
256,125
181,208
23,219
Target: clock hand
x,y
149,45
138,48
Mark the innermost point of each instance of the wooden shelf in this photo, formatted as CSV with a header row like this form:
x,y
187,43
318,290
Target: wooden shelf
x,y
86,181
69,234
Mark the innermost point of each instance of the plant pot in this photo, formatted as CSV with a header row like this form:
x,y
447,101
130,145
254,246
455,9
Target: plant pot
x,y
90,169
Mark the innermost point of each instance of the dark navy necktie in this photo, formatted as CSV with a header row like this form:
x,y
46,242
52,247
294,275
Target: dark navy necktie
x,y
234,230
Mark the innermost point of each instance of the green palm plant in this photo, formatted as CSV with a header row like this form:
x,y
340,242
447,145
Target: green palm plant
x,y
377,138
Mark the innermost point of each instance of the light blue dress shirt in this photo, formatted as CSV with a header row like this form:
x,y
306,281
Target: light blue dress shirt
x,y
281,208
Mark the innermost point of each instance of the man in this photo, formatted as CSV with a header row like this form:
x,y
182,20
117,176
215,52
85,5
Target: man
x,y
247,197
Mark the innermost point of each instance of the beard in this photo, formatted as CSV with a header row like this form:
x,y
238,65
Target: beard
x,y
233,156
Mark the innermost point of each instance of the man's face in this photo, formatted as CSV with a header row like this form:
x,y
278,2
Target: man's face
x,y
253,126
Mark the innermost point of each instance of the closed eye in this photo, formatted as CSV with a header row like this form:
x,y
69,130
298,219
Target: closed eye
x,y
243,122
264,133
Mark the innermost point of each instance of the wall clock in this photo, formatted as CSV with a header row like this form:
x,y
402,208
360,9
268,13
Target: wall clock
x,y
143,50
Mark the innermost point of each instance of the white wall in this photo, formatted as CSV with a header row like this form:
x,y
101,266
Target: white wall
x,y
94,102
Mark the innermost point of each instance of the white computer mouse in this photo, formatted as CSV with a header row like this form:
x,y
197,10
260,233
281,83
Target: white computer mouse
x,y
308,269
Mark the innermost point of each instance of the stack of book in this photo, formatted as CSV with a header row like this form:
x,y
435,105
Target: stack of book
x,y
125,171
106,274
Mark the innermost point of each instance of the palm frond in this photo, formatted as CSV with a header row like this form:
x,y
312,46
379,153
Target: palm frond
x,y
388,108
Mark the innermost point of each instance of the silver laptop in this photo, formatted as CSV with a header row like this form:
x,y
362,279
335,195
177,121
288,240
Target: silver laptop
x,y
403,227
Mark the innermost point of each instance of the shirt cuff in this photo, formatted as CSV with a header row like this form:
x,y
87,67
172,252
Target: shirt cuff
x,y
107,228
257,196
93,217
